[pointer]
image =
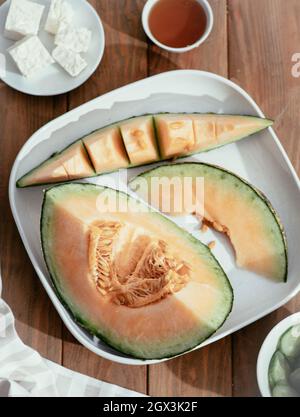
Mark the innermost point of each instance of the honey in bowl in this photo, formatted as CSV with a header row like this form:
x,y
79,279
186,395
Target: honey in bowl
x,y
177,23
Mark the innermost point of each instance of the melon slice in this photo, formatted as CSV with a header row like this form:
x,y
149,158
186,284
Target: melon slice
x,y
106,149
139,139
214,130
131,277
141,143
175,133
231,206
184,134
72,163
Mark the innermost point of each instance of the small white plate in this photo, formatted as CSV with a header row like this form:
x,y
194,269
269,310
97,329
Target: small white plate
x,y
259,159
54,80
268,349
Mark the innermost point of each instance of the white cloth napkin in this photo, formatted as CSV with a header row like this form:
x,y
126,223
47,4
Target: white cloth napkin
x,y
23,373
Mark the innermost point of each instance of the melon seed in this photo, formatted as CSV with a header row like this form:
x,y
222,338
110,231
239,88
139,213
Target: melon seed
x,y
212,244
176,125
137,133
204,228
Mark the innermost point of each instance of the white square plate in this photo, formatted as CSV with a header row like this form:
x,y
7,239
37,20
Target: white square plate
x,y
259,159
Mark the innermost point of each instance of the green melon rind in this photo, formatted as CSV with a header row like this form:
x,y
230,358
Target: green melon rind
x,y
268,122
97,174
157,148
49,160
261,196
105,336
98,130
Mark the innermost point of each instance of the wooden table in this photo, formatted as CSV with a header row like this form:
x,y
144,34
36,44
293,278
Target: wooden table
x,y
252,44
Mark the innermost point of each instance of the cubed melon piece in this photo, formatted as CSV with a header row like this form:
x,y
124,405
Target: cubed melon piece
x,y
204,131
70,164
106,149
140,140
175,134
76,162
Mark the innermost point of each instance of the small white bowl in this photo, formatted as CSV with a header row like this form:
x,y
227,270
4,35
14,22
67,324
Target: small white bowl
x,y
268,349
209,25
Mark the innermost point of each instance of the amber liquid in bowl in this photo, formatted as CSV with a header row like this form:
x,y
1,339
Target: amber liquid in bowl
x,y
177,23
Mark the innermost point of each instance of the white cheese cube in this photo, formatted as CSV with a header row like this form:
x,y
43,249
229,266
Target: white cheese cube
x,y
77,40
71,61
24,18
60,12
30,55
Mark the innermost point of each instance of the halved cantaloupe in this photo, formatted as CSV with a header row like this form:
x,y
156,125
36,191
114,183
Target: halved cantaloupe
x,y
131,277
230,205
106,149
139,139
70,164
175,135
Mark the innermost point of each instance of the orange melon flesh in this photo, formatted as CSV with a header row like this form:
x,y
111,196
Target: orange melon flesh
x,y
184,134
212,130
164,328
106,149
205,131
143,140
71,164
175,133
233,207
139,139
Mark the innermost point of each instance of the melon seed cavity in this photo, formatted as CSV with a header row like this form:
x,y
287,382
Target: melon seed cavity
x,y
156,274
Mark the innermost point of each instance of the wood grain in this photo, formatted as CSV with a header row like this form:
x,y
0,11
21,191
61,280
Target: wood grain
x,y
125,61
206,372
210,56
37,322
263,35
253,45
125,57
202,373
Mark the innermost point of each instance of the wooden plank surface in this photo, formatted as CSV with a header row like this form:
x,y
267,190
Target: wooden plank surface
x,y
252,45
210,56
263,36
37,322
36,319
206,372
